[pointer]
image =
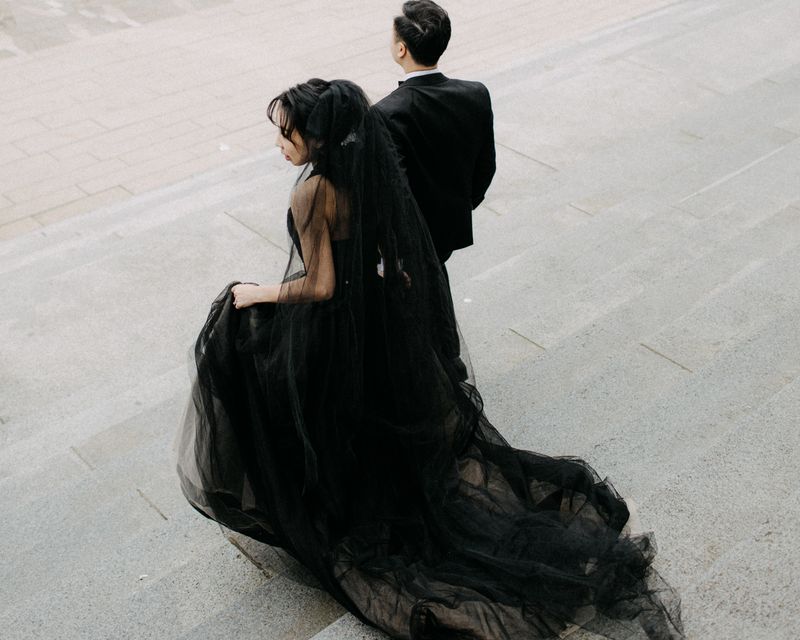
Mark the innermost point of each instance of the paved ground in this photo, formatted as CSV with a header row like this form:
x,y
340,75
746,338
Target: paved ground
x,y
132,99
632,297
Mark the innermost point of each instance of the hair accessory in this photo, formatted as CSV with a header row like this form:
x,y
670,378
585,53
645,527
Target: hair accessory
x,y
351,137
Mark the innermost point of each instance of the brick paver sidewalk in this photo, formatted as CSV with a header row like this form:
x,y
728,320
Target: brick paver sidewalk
x,y
100,105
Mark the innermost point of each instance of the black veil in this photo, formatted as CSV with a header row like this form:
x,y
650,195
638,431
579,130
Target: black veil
x,y
342,425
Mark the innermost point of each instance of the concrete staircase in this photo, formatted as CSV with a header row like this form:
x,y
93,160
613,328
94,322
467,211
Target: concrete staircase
x,y
632,298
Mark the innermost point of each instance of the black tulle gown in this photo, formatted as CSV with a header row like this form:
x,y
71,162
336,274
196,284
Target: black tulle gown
x,y
344,432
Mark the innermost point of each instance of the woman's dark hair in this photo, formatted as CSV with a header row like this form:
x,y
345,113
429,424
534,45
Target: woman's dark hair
x,y
424,27
326,114
290,110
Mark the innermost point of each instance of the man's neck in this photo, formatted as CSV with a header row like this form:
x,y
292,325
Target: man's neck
x,y
413,67
417,74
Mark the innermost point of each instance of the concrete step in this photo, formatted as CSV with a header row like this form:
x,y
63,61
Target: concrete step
x,y
124,510
612,366
693,183
704,54
172,580
671,156
70,422
284,610
679,426
134,271
634,73
92,232
350,627
612,241
70,491
74,540
766,562
638,226
730,519
645,292
569,59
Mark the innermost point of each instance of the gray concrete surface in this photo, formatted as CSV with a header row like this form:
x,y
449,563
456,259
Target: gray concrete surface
x,y
632,298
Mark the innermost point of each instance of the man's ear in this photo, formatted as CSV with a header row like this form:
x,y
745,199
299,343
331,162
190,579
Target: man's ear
x,y
401,49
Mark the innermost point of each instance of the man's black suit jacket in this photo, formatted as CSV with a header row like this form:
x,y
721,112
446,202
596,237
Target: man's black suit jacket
x,y
444,131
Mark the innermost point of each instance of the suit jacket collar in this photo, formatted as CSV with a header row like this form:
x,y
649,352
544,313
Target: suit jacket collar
x,y
426,80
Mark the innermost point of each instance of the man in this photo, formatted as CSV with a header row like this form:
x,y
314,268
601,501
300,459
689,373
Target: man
x,y
443,128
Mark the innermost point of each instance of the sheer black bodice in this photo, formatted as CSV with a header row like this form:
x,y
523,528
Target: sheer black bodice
x,y
344,431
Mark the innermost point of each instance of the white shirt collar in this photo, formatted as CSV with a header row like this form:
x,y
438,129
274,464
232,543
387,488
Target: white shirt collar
x,y
417,74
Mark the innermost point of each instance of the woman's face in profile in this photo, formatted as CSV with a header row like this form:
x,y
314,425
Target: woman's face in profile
x,y
294,150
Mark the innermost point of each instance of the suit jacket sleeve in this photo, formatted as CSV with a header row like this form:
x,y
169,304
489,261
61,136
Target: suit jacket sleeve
x,y
486,162
396,132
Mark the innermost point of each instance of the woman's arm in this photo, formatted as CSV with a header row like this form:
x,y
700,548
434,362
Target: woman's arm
x,y
313,208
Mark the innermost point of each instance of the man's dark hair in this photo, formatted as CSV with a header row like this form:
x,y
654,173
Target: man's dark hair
x,y
424,27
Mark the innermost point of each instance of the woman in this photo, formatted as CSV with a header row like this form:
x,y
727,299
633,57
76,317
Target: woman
x,y
327,419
